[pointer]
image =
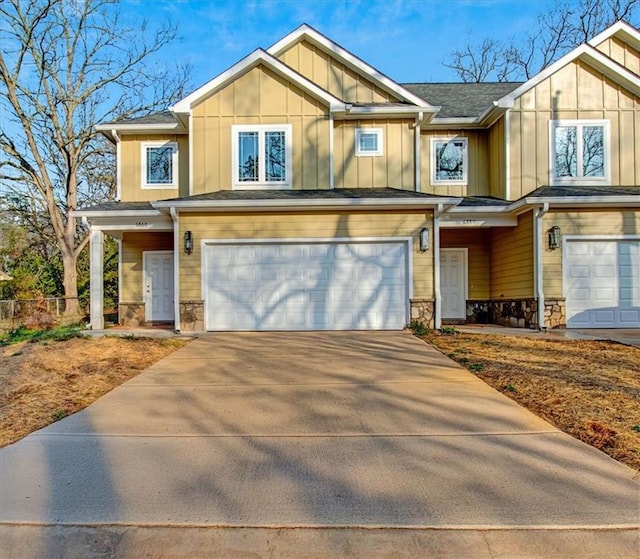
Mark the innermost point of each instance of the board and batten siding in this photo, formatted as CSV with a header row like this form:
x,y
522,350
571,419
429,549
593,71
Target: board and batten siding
x,y
259,97
574,92
303,225
583,222
478,161
394,168
333,76
133,245
512,259
497,159
622,53
477,241
131,168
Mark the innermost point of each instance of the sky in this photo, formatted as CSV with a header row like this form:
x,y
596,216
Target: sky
x,y
407,40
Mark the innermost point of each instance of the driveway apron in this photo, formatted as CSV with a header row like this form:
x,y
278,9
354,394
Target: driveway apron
x,y
313,431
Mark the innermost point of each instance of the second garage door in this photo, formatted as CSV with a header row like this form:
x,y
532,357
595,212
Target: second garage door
x,y
306,286
602,283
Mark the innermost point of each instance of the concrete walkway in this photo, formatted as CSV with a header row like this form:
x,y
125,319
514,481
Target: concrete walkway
x,y
311,445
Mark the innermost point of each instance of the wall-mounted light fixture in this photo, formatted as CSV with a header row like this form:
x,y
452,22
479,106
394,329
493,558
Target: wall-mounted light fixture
x,y
188,242
554,237
424,239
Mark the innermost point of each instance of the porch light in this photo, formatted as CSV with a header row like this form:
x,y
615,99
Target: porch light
x,y
424,239
188,242
554,237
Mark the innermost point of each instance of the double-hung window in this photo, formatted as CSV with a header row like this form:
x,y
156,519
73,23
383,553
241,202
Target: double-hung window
x,y
368,142
449,160
261,156
159,165
579,151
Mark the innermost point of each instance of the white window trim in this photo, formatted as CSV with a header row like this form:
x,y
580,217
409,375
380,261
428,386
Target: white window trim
x,y
378,133
261,183
174,165
606,179
465,161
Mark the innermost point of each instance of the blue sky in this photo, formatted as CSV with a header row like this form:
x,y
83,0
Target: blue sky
x,y
405,39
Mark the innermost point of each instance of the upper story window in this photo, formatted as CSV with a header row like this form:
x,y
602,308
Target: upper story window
x,y
579,151
368,141
449,160
159,165
261,156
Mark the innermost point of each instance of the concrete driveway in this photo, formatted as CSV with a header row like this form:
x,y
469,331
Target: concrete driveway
x,y
311,445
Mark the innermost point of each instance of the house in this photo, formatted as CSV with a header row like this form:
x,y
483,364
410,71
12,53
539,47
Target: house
x,y
302,189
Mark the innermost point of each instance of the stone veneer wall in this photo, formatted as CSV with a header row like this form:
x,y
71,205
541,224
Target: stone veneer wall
x,y
192,316
131,314
422,310
555,313
517,313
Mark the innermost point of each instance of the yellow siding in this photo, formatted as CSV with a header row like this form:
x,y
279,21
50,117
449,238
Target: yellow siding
x,y
259,97
574,92
622,53
304,225
479,257
604,222
330,74
394,168
497,159
478,172
512,260
131,168
133,244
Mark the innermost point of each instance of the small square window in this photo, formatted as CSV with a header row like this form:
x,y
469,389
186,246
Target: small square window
x,y
368,141
159,164
449,160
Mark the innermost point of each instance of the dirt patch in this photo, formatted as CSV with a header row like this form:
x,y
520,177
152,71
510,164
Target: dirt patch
x,y
589,389
45,381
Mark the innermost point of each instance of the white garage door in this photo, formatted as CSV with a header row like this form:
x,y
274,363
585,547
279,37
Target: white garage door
x,y
306,286
602,284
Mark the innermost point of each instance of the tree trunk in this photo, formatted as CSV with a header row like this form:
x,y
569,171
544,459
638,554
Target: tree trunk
x,y
72,311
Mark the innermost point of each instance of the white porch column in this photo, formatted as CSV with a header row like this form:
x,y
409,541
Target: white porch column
x,y
96,286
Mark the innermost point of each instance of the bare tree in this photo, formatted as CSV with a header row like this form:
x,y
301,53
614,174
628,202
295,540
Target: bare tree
x,y
65,66
571,23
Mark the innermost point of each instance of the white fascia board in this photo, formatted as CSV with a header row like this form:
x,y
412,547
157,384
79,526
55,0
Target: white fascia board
x,y
258,56
481,209
380,110
350,60
158,128
622,30
116,213
585,201
590,55
301,205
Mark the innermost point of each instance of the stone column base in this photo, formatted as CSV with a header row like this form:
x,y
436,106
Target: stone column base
x,y
192,316
423,311
516,313
555,313
131,315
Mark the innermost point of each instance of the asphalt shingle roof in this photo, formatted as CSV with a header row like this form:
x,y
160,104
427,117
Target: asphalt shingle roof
x,y
162,117
118,206
560,191
461,99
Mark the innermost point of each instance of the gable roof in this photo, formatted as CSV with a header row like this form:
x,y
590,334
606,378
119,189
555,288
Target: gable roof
x,y
462,99
623,31
308,33
257,57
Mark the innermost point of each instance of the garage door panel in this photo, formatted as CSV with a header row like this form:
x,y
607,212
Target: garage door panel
x,y
323,286
602,283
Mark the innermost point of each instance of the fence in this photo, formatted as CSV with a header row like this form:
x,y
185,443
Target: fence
x,y
21,312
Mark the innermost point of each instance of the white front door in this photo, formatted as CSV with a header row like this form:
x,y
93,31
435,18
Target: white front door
x,y
453,282
158,285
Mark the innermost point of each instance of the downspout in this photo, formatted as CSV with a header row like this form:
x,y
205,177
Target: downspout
x,y
114,133
176,268
416,148
436,266
538,278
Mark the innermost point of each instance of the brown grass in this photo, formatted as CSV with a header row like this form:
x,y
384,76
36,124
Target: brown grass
x,y
42,382
589,389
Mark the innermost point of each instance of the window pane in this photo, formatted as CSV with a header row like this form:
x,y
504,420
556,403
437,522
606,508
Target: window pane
x,y
593,151
368,142
248,156
450,160
566,149
275,156
159,165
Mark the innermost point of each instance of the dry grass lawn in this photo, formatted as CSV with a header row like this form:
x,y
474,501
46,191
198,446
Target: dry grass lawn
x,y
589,389
41,382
